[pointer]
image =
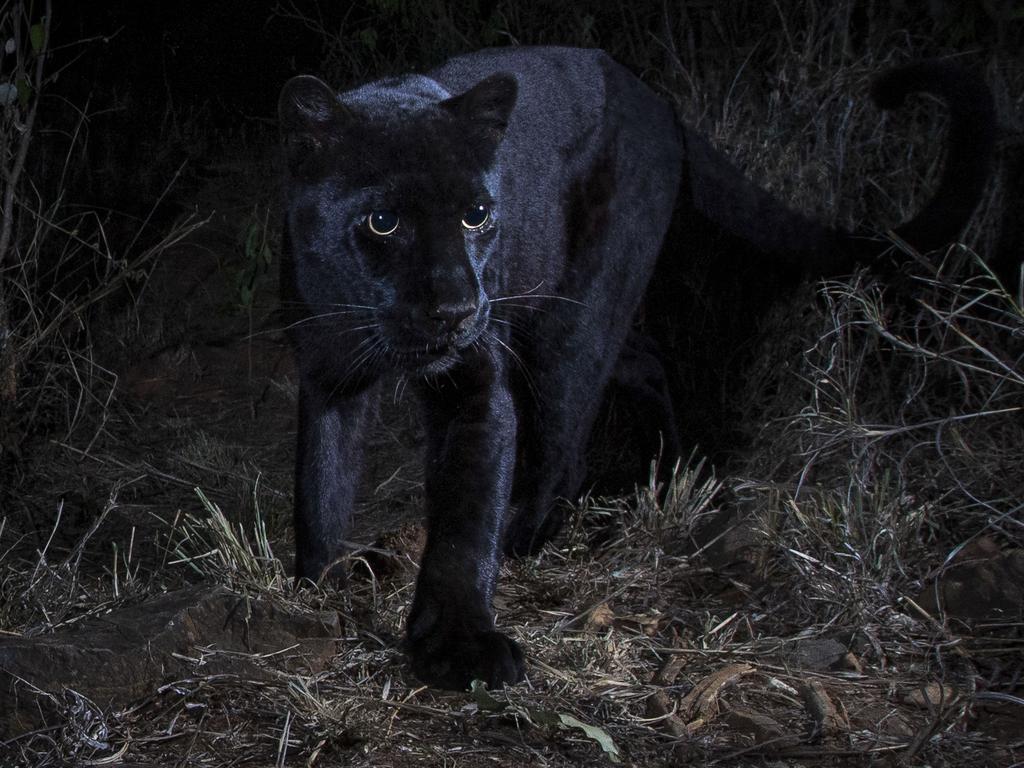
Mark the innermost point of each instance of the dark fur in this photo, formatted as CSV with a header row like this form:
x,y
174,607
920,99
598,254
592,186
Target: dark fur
x,y
510,335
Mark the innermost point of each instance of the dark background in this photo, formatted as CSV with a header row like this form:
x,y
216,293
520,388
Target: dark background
x,y
229,57
167,82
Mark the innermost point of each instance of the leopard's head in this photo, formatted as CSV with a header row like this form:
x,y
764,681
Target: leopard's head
x,y
393,215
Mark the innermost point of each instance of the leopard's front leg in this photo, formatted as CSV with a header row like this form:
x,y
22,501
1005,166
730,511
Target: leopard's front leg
x,y
471,426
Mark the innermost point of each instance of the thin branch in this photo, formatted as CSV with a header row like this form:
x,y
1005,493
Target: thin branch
x,y
7,224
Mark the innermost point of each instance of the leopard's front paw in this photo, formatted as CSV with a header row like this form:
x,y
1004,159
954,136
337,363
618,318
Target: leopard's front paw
x,y
452,658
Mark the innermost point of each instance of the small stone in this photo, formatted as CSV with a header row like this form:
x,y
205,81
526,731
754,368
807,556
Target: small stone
x,y
931,696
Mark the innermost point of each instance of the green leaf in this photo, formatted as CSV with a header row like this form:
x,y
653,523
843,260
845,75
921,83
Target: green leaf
x,y
562,720
35,35
484,700
544,717
368,37
254,240
24,90
593,732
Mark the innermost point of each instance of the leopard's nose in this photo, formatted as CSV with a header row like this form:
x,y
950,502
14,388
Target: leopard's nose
x,y
453,316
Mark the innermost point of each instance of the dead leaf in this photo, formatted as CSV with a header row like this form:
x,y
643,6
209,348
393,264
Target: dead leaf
x,y
601,617
648,623
852,663
659,705
702,701
669,670
829,719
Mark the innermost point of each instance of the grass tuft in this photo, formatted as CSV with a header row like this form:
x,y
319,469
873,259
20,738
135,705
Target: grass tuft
x,y
219,550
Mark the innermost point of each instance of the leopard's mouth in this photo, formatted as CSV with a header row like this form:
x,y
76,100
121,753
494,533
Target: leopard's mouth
x,y
437,365
431,358
439,353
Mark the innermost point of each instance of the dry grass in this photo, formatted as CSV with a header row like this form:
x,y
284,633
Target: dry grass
x,y
638,652
907,409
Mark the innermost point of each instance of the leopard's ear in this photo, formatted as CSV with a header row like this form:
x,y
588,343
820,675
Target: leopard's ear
x,y
309,113
486,107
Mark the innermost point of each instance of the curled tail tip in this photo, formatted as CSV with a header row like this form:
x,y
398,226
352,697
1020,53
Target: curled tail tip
x,y
963,90
970,144
890,89
886,92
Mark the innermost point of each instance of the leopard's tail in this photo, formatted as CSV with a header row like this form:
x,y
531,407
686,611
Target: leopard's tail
x,y
721,195
734,251
970,145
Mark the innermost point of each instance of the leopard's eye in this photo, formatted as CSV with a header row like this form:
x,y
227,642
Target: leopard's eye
x,y
382,222
476,217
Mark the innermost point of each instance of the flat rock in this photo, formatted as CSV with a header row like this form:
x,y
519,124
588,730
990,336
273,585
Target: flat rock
x,y
126,654
817,653
756,726
732,539
982,583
